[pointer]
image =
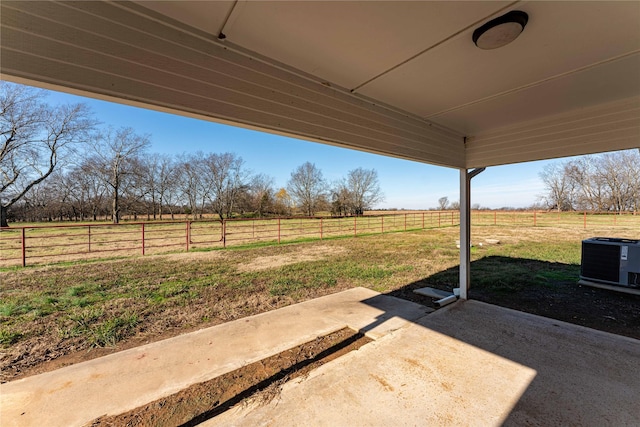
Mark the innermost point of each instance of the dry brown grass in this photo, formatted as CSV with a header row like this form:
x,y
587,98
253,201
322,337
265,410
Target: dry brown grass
x,y
305,254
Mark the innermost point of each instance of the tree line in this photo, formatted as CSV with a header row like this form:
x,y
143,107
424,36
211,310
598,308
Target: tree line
x,y
59,163
607,182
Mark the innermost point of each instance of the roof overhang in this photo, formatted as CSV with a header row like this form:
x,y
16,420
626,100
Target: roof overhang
x,y
401,79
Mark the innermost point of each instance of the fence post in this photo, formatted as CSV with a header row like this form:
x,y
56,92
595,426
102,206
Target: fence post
x,y
355,226
143,238
24,251
89,238
423,220
278,230
382,217
320,228
495,215
187,233
224,234
439,218
451,217
585,220
405,222
535,220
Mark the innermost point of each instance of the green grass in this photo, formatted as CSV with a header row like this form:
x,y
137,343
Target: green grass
x,y
112,330
8,337
97,329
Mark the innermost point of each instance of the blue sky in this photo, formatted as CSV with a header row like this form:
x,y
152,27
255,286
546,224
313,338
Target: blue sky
x,y
405,184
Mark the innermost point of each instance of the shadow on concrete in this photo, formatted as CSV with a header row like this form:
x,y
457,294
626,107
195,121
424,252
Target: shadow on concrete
x,y
583,376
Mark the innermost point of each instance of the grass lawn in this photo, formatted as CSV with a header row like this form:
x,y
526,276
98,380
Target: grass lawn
x,y
56,315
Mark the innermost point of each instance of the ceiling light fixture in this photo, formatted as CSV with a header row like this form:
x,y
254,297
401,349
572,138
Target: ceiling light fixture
x,y
500,31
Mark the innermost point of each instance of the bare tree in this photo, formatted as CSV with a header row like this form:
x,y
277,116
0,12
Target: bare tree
x,y
341,200
80,185
92,186
261,194
631,166
115,158
166,184
443,203
190,175
227,179
136,189
364,189
607,182
35,138
307,187
158,178
60,189
590,193
619,172
560,188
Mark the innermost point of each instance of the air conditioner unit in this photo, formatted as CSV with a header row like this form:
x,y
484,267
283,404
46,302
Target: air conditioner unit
x,y
611,263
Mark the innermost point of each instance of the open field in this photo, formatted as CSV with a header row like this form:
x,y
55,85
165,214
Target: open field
x,y
32,244
61,314
49,243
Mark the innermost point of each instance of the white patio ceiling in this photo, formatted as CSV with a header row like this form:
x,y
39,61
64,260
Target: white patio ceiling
x,y
396,78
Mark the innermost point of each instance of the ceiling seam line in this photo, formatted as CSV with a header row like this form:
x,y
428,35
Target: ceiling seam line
x,y
226,20
400,64
534,84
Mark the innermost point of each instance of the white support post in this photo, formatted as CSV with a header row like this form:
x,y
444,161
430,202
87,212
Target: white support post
x,y
465,229
465,232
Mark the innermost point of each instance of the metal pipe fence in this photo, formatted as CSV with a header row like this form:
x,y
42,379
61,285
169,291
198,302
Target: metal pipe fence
x,y
43,244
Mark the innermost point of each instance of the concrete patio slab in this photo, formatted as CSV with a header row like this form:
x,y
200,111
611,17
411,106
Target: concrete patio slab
x,y
469,364
113,384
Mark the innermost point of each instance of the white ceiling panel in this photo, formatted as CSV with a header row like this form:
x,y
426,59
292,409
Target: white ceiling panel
x,y
208,16
560,38
580,90
348,43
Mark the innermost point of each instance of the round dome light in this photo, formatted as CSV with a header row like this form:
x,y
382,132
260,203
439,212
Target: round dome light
x,y
500,31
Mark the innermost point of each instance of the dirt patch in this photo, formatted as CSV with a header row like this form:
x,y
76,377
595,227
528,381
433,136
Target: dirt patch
x,y
304,254
259,382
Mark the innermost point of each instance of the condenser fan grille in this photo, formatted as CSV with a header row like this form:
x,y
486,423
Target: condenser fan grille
x,y
600,262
